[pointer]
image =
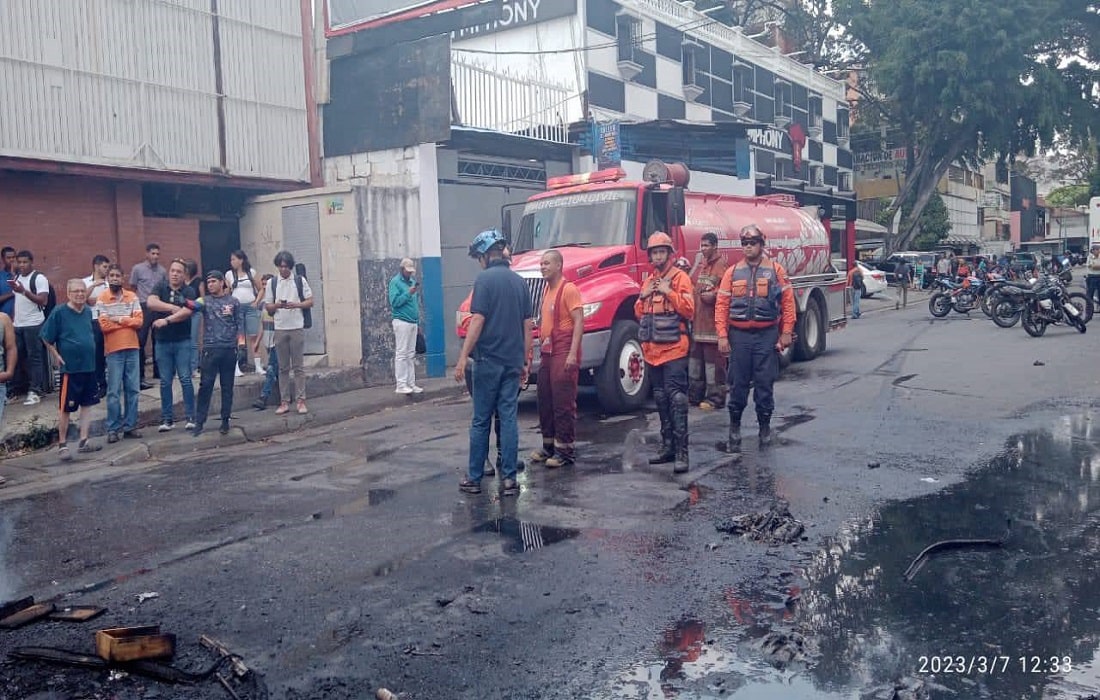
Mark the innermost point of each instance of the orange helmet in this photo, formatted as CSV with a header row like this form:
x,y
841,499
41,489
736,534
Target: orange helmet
x,y
659,239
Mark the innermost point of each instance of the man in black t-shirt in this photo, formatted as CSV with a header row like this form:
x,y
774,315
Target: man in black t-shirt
x,y
500,330
171,302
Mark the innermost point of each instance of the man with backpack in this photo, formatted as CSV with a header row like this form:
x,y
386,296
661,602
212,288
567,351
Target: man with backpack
x,y
33,304
289,299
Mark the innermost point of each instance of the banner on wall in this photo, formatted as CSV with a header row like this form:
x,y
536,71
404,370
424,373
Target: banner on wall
x,y
606,144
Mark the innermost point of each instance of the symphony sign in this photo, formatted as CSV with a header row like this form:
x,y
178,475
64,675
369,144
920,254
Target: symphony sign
x,y
461,23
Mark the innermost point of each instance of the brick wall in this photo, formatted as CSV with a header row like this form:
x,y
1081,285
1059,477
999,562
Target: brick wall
x,y
66,220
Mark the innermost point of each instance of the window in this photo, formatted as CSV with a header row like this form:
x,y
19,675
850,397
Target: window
x,y
628,35
782,103
844,181
743,79
815,116
817,175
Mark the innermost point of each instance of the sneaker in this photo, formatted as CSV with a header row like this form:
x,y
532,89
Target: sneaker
x,y
540,455
112,437
32,399
197,430
469,486
13,399
134,434
237,371
403,390
284,407
417,389
260,404
558,461
259,367
706,406
224,429
87,447
189,425
510,487
165,427
63,452
302,406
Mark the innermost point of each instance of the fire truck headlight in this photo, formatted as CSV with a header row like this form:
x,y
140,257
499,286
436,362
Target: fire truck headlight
x,y
590,309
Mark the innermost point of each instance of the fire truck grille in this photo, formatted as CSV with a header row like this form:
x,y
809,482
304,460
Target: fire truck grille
x,y
537,285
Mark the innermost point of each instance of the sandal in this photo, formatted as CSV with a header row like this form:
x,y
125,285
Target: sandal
x,y
87,447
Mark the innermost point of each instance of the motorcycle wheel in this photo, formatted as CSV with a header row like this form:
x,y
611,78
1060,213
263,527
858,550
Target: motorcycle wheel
x,y
1080,323
1034,324
988,301
1005,314
939,305
1083,304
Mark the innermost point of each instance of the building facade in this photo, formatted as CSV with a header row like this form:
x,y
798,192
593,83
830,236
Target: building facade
x,y
124,122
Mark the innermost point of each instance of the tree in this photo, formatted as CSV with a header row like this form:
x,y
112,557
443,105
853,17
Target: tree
x,y
1069,196
933,225
968,80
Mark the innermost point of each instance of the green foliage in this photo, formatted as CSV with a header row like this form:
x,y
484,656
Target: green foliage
x,y
1069,196
933,224
965,80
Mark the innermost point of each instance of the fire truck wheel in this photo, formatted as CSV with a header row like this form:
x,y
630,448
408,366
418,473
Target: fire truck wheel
x,y
809,332
622,384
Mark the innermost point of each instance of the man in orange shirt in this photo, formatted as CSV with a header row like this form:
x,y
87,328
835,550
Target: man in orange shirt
x,y
756,314
120,319
665,305
706,388
560,328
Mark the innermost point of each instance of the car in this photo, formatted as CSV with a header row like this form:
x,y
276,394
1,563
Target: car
x,y
874,280
927,260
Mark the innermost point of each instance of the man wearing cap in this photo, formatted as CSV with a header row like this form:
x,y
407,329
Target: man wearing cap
x,y
405,306
1092,277
755,314
223,336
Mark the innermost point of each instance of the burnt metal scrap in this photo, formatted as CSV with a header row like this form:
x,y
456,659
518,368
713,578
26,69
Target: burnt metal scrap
x,y
907,688
949,545
781,649
773,526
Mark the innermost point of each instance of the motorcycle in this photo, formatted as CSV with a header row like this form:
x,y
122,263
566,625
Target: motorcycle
x,y
952,295
1049,303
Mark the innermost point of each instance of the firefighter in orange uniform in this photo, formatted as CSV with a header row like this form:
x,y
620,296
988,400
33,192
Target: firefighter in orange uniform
x,y
663,309
755,315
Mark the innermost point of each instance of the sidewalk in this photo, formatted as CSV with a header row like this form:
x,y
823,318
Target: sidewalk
x,y
334,395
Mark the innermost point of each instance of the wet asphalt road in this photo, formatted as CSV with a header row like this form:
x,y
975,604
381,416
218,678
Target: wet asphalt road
x,y
341,560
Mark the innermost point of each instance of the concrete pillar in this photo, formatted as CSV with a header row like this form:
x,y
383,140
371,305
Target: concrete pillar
x,y
431,262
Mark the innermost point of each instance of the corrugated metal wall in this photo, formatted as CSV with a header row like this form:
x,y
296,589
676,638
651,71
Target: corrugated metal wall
x,y
132,82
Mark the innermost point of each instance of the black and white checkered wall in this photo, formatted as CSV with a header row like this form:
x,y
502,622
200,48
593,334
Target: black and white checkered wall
x,y
717,81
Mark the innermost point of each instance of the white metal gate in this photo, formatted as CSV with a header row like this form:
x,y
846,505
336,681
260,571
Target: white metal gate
x,y
510,103
302,237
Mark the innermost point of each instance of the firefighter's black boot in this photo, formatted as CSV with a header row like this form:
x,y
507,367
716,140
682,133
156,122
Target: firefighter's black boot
x,y
668,448
679,409
765,420
733,440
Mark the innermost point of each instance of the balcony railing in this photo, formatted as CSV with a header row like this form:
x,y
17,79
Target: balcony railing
x,y
500,101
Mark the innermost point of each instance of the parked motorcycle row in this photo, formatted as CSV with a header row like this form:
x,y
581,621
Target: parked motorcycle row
x,y
1036,303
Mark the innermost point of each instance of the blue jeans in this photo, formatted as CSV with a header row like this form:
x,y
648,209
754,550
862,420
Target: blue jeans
x,y
123,376
174,359
196,320
855,301
272,374
496,389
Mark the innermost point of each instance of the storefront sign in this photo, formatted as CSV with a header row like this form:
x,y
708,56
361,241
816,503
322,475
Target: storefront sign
x,y
606,145
519,13
769,138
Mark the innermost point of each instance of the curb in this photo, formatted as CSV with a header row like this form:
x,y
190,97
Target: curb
x,y
336,405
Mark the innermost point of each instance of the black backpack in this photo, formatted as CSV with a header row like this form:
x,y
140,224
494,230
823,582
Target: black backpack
x,y
51,296
307,314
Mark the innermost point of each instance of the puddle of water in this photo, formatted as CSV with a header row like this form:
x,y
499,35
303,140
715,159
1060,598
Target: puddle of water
x,y
1027,612
521,536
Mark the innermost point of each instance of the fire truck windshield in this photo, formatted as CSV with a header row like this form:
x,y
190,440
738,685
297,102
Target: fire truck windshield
x,y
600,218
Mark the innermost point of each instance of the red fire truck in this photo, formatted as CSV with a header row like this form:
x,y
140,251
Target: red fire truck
x,y
600,222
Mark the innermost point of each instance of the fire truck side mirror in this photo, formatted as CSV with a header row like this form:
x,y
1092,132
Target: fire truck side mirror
x,y
677,208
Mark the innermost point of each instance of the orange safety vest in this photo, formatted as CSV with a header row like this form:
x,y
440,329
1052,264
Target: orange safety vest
x,y
755,295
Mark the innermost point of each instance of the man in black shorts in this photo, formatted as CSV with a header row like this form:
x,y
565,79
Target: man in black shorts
x,y
70,341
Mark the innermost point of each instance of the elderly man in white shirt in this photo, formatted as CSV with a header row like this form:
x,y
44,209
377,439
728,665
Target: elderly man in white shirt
x,y
288,299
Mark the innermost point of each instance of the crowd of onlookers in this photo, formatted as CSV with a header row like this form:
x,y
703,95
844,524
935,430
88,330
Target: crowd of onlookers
x,y
97,340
